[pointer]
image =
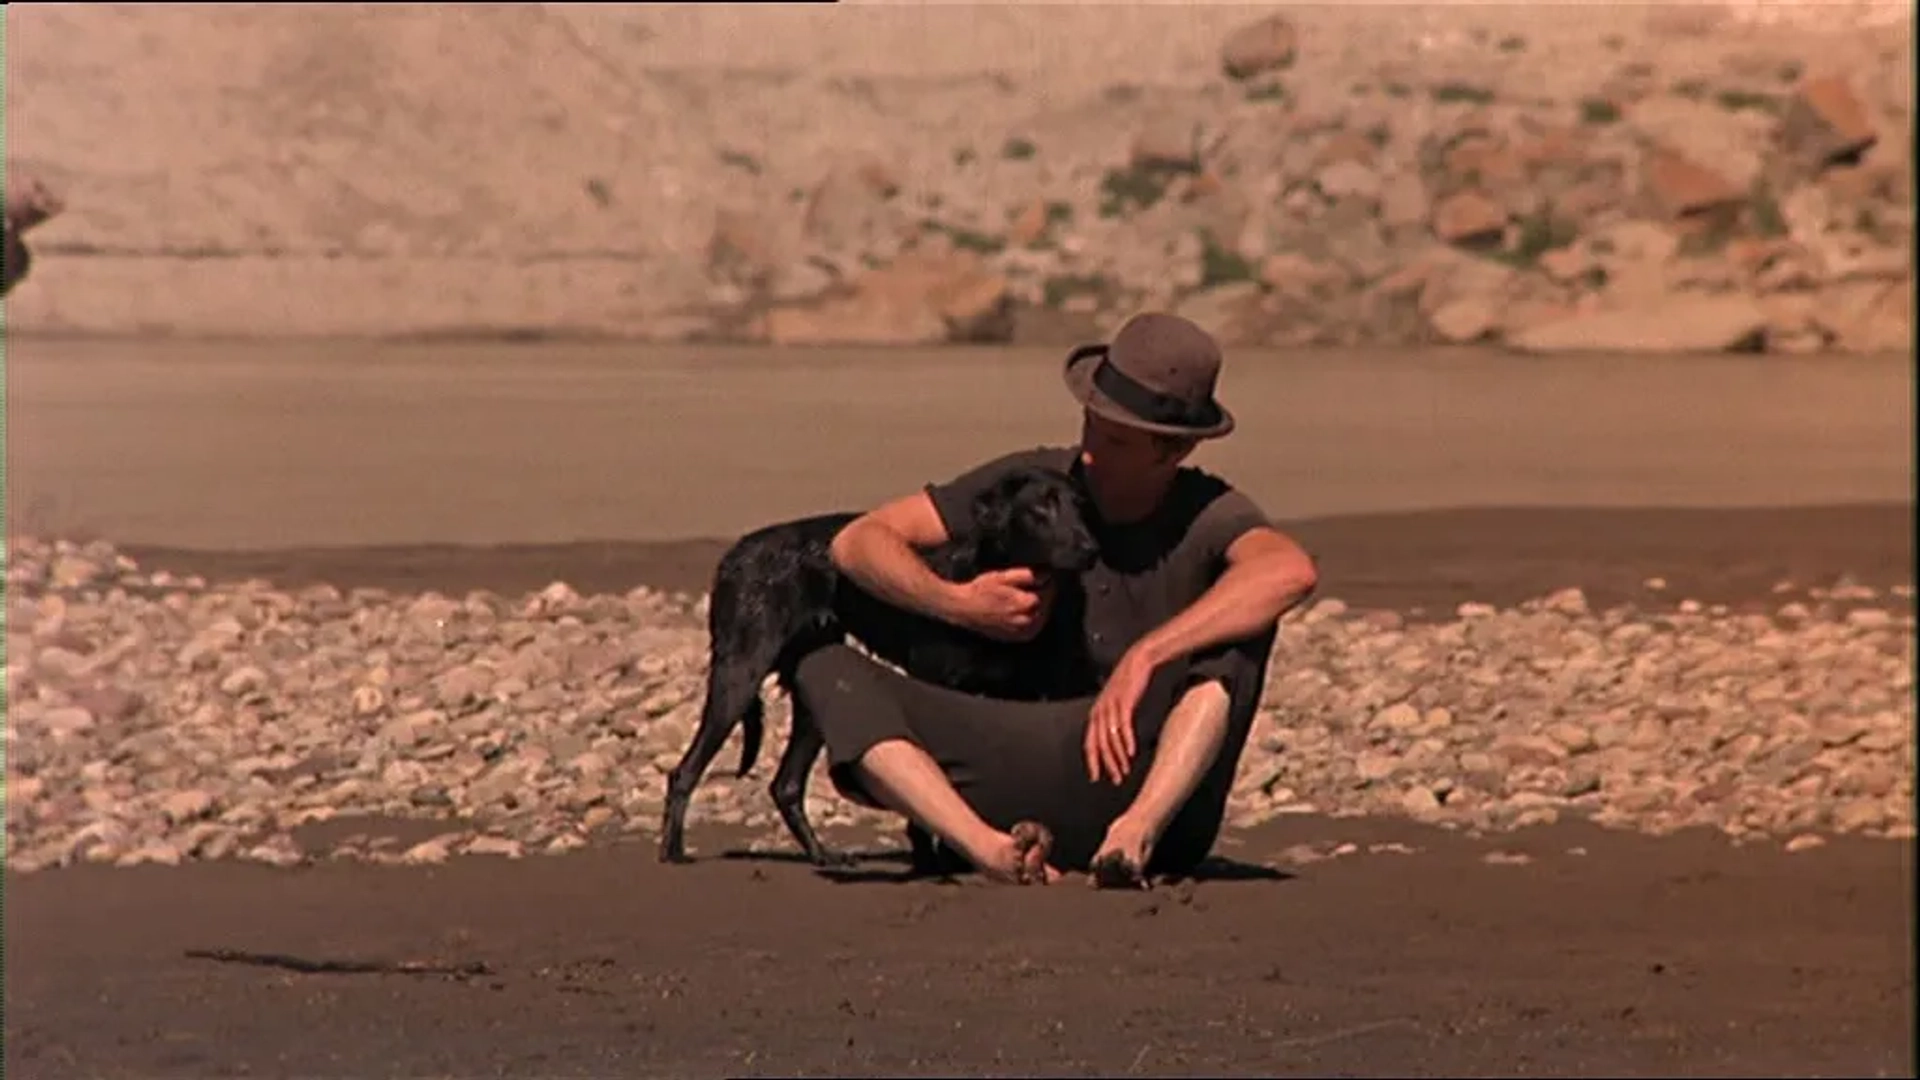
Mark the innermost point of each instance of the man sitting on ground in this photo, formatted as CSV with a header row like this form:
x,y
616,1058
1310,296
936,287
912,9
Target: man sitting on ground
x,y
1181,615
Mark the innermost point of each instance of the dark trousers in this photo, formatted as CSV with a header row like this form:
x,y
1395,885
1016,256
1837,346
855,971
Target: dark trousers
x,y
1014,761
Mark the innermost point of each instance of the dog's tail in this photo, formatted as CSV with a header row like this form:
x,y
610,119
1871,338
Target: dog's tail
x,y
753,729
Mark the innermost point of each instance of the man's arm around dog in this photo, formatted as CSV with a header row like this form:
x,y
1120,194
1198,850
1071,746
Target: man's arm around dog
x,y
880,551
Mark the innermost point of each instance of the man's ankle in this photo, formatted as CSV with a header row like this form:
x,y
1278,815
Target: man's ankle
x,y
1148,828
984,847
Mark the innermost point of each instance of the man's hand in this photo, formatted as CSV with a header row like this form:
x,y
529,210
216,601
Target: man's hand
x,y
1110,743
1002,604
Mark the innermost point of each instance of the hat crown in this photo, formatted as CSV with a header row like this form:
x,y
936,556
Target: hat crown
x,y
1167,354
1157,374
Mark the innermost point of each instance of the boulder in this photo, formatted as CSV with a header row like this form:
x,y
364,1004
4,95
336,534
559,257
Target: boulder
x,y
1469,217
1868,316
1730,144
1467,319
1566,265
1297,276
1403,201
743,248
1349,180
1826,124
920,299
1680,186
1232,312
849,210
1029,225
1344,145
1676,324
1168,145
1259,47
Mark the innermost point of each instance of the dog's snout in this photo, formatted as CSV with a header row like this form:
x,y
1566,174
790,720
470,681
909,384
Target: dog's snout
x,y
1085,552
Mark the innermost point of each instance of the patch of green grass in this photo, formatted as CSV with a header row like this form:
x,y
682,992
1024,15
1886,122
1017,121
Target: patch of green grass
x,y
1131,188
1361,90
1063,287
1059,213
1598,111
967,239
599,192
1448,93
1543,232
1018,149
965,156
1764,213
1513,44
1221,265
798,195
737,159
1398,90
1539,233
1790,72
1379,135
1743,100
1267,91
1692,89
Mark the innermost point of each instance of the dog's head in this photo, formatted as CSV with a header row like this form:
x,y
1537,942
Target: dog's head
x,y
30,202
1035,518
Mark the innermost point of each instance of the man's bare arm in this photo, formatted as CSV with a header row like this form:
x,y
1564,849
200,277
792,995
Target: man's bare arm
x,y
877,550
1267,575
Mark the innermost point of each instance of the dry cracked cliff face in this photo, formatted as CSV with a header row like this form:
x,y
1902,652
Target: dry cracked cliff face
x,y
1565,178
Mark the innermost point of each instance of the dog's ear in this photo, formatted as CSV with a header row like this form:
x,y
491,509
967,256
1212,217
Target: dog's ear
x,y
993,508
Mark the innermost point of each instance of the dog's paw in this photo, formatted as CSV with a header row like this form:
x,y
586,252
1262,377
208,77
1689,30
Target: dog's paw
x,y
829,859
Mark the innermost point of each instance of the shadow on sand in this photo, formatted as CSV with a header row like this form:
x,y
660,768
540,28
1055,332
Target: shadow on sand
x,y
900,872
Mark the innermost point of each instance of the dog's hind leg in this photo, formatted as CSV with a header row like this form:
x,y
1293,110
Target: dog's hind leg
x,y
789,787
728,703
924,856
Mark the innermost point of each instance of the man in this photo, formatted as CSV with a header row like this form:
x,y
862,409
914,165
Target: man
x,y
1181,613
28,203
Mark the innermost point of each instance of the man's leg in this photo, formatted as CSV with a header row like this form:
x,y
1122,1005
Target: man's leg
x,y
1190,743
905,779
875,755
1175,817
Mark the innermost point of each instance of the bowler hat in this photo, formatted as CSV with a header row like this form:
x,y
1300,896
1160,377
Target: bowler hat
x,y
1157,374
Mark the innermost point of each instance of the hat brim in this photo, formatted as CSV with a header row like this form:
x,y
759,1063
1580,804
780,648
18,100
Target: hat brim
x,y
1079,375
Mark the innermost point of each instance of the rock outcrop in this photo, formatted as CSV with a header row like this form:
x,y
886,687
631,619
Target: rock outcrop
x,y
1647,179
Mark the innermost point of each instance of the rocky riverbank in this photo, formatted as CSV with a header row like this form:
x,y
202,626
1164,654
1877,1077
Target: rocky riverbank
x,y
1549,179
158,719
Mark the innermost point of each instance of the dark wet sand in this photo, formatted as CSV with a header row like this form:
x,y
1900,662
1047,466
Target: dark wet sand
x,y
1678,957
1675,957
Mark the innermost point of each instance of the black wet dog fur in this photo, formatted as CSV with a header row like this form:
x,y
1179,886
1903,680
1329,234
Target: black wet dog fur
x,y
777,597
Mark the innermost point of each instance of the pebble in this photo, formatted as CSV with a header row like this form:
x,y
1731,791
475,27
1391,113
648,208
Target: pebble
x,y
156,719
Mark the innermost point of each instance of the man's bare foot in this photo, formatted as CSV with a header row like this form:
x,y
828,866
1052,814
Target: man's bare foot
x,y
1020,857
1121,861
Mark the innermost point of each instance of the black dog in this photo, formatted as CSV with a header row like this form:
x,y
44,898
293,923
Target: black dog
x,y
777,597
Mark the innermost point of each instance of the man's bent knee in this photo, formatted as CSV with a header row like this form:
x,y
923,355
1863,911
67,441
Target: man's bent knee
x,y
833,670
1210,698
